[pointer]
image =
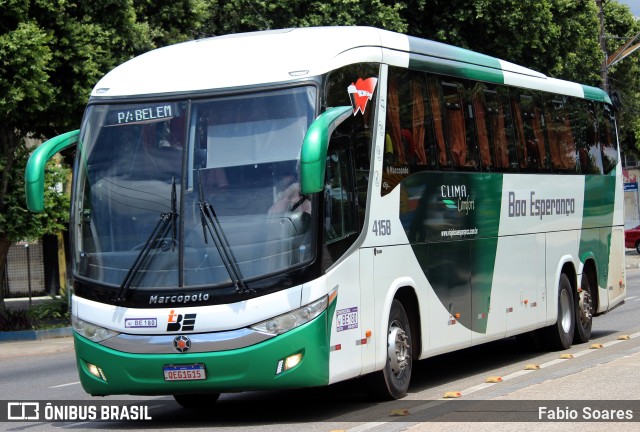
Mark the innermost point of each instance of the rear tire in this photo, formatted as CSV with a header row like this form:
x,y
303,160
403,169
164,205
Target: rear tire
x,y
392,382
638,247
197,401
559,336
584,312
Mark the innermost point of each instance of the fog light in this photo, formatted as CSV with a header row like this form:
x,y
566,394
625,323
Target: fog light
x,y
96,371
288,363
292,361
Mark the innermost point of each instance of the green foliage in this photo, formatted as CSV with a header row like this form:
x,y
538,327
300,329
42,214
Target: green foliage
x,y
24,65
624,78
557,37
50,313
169,21
14,320
52,52
16,222
234,16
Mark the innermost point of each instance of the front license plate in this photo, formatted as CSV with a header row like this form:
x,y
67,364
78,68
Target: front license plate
x,y
184,372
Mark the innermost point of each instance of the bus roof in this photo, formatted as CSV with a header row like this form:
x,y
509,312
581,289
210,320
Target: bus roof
x,y
278,56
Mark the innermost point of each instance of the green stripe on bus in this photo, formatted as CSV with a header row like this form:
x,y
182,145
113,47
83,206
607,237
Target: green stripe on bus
x,y
596,94
452,221
595,238
448,52
456,69
444,59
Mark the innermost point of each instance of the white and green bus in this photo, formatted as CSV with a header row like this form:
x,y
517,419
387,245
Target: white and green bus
x,y
298,207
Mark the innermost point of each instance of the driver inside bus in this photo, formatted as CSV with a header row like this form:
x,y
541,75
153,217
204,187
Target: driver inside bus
x,y
289,198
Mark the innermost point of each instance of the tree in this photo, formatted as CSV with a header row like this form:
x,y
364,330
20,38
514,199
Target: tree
x,y
624,77
52,52
234,16
16,222
556,37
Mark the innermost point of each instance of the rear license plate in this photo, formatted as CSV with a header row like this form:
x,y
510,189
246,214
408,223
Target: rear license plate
x,y
189,372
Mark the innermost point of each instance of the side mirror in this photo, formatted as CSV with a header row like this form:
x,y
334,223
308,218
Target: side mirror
x,y
314,148
34,173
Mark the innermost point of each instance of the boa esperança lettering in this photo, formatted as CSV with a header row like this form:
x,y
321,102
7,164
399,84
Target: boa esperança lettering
x,y
540,206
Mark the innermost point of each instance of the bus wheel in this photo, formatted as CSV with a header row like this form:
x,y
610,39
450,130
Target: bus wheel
x,y
559,336
584,312
393,381
196,401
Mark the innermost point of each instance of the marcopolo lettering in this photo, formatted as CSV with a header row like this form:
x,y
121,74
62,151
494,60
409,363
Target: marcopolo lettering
x,y
181,298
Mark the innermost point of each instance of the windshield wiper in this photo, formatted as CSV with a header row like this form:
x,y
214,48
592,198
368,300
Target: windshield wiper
x,y
211,224
153,241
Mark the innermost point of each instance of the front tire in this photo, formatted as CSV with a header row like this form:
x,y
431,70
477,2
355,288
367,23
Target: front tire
x,y
392,382
584,312
559,336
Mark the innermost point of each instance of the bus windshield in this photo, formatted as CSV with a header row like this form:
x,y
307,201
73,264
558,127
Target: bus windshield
x,y
193,193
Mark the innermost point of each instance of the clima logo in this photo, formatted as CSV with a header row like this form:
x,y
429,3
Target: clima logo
x,y
455,197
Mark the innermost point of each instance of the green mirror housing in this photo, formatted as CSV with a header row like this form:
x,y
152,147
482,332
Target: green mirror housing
x,y
314,148
34,174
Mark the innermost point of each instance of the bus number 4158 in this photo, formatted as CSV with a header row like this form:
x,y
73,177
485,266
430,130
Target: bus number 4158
x,y
382,227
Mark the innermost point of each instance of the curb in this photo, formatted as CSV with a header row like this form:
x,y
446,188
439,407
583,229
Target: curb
x,y
32,335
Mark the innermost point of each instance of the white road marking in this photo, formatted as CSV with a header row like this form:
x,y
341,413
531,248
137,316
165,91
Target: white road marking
x,y
65,385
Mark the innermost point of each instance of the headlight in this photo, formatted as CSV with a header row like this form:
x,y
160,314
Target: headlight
x,y
91,331
290,320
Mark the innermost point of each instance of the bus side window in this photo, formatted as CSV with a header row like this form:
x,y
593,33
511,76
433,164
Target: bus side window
x,y
608,140
340,218
586,133
494,127
458,126
408,130
561,141
483,115
530,142
444,160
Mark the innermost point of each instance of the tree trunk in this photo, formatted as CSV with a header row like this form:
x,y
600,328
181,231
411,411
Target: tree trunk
x,y
5,243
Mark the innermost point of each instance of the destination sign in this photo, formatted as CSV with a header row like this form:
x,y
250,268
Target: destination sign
x,y
142,114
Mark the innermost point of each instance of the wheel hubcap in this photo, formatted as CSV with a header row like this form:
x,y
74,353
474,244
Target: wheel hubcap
x,y
586,307
397,348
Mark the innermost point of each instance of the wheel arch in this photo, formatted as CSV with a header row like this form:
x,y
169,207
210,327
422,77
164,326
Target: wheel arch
x,y
565,266
590,270
407,296
404,290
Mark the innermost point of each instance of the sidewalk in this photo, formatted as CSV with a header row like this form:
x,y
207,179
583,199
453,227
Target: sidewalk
x,y
17,349
612,384
23,302
632,259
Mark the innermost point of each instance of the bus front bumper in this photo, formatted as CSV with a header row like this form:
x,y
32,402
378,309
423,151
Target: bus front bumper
x,y
105,371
